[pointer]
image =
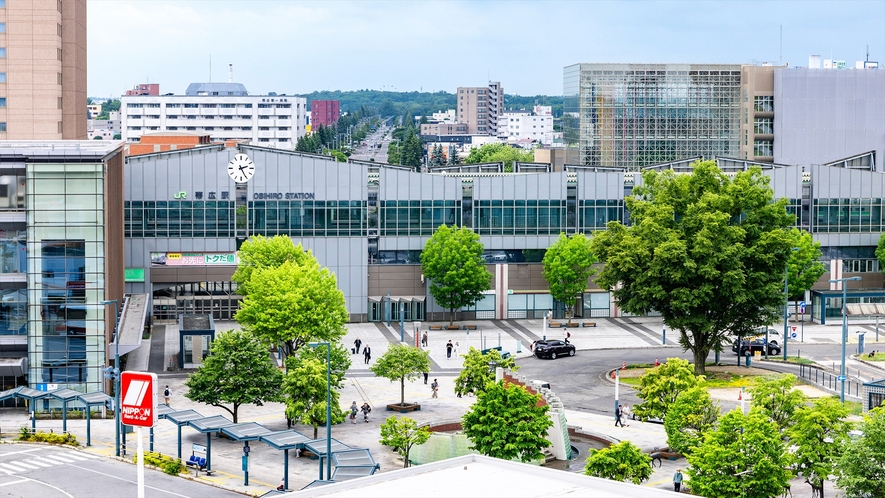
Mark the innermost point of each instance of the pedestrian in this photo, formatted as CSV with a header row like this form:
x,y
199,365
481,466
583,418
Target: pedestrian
x,y
353,410
282,486
628,414
167,395
367,354
567,337
677,480
356,346
449,348
366,409
426,374
625,412
424,339
434,387
457,348
618,415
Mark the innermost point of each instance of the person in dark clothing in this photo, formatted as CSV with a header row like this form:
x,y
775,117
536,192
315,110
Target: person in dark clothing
x,y
367,354
356,344
449,348
426,375
424,339
618,416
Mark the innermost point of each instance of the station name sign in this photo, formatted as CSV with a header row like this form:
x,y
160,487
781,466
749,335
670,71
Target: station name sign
x,y
278,196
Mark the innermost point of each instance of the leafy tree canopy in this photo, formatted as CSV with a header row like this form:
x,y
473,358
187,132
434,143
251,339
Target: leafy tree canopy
x,y
804,266
778,399
744,456
402,362
478,371
706,250
818,437
568,265
452,260
238,371
862,466
402,434
265,252
305,391
497,152
340,360
660,386
623,461
505,422
688,418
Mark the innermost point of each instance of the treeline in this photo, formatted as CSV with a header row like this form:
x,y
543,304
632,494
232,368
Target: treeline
x,y
337,140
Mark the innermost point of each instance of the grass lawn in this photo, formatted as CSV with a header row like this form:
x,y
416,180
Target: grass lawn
x,y
722,376
791,359
879,356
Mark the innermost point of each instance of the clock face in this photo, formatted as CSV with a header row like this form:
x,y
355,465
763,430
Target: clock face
x,y
241,168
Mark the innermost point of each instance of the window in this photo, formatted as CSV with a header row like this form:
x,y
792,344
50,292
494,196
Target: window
x,y
2,101
762,148
2,53
134,106
153,105
2,127
2,77
762,126
763,103
59,30
59,53
2,27
168,106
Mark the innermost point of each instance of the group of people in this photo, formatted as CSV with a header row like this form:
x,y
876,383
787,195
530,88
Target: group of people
x,y
622,412
366,409
367,351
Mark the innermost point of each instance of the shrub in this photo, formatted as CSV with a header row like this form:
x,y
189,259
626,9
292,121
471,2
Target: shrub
x,y
171,466
25,434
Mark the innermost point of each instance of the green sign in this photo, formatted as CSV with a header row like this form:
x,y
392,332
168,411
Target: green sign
x,y
134,275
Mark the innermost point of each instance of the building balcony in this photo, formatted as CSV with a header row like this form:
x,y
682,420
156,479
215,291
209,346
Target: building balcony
x,y
228,111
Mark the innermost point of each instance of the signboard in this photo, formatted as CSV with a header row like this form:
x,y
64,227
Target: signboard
x,y
194,259
140,393
841,378
134,275
793,335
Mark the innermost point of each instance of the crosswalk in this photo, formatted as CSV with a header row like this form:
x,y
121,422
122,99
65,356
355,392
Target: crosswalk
x,y
40,459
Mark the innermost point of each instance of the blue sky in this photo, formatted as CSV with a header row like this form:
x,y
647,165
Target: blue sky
x,y
297,47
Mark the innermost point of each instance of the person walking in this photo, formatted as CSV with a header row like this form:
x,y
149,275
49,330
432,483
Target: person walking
x,y
356,346
366,409
167,395
449,347
353,410
367,353
424,339
457,348
677,480
426,375
618,415
434,387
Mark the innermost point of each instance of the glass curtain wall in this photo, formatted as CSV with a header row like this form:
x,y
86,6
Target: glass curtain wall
x,y
66,268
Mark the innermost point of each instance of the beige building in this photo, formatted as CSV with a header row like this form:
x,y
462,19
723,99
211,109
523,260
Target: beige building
x,y
43,70
480,107
757,113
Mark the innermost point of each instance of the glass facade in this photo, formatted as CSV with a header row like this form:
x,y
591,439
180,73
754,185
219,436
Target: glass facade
x,y
633,115
519,217
308,218
66,266
179,219
848,216
417,217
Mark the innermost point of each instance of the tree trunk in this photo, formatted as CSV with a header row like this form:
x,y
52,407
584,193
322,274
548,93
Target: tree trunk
x,y
402,391
406,458
700,360
315,432
451,316
236,408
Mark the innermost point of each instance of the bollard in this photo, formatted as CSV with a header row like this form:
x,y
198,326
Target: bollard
x,y
664,336
749,359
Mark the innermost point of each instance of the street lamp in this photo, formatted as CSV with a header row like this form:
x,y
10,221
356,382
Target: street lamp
x,y
328,405
786,309
116,304
844,330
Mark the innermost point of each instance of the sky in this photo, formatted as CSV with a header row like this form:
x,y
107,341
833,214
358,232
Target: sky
x,y
297,47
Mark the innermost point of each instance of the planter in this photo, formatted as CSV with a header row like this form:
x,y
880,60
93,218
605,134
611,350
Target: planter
x,y
573,325
555,325
406,408
453,327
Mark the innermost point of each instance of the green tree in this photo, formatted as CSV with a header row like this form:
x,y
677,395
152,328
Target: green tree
x,y
265,252
238,371
660,386
294,303
478,370
454,158
623,461
393,153
402,362
505,422
706,250
568,265
818,437
436,157
744,456
880,253
688,418
862,466
452,260
401,434
305,391
411,152
340,360
338,155
107,107
804,266
778,399
499,153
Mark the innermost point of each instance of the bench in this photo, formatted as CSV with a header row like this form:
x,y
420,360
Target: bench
x,y
555,325
198,463
588,324
453,327
436,327
470,327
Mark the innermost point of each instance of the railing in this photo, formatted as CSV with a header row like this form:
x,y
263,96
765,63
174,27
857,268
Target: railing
x,y
826,380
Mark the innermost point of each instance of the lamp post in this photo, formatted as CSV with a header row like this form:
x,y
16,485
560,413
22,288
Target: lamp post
x,y
844,331
328,405
116,304
786,309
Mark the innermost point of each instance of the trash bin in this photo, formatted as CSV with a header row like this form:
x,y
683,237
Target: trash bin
x,y
352,350
749,359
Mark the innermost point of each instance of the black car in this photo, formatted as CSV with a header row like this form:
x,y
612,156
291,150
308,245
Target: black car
x,y
553,349
753,345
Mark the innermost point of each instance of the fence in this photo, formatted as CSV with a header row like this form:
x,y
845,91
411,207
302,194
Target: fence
x,y
830,382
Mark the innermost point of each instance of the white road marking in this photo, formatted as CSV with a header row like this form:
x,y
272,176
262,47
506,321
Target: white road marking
x,y
7,453
36,462
13,482
74,456
130,481
62,458
25,465
40,482
50,460
11,467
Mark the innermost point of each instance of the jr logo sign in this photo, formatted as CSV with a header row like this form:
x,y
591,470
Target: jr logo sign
x,y
139,401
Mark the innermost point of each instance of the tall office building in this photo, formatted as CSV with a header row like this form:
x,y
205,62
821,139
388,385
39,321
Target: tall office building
x,y
632,115
43,70
324,112
480,107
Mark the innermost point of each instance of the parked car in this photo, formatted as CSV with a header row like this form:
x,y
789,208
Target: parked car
x,y
552,349
753,345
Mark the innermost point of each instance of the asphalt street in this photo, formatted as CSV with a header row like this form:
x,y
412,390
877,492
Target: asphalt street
x,y
32,470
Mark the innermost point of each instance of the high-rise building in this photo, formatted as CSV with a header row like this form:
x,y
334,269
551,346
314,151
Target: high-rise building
x,y
324,112
632,115
480,107
43,70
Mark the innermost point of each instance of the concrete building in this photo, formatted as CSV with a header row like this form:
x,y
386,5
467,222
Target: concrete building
x,y
93,110
112,125
324,112
166,141
430,129
524,125
224,111
62,214
480,107
43,70
144,89
447,116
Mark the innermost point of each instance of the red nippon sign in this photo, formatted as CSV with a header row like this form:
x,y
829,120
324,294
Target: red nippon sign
x,y
138,402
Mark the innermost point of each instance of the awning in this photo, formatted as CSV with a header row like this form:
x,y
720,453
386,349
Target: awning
x,y
866,309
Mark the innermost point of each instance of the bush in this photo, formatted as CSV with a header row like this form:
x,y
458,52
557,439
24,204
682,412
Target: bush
x,y
25,434
171,466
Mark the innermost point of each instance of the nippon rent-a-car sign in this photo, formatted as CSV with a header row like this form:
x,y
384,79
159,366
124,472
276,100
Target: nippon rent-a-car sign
x,y
138,403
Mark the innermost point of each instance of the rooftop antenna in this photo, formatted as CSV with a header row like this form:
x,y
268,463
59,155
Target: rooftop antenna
x,y
230,73
868,53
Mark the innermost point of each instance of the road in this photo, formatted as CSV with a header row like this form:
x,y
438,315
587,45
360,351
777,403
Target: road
x,y
56,472
371,151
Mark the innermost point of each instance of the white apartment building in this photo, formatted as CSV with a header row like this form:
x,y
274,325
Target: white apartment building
x,y
522,125
224,111
447,116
